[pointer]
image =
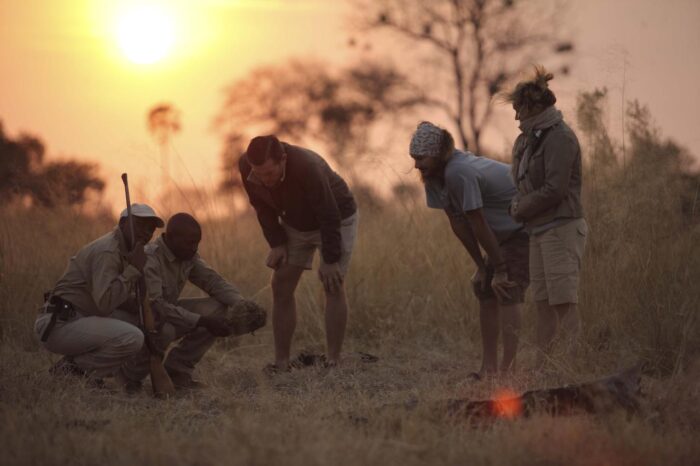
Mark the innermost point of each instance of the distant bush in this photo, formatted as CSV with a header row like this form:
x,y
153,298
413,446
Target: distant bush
x,y
642,263
25,174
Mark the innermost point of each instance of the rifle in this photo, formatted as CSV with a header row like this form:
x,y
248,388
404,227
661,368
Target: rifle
x,y
160,380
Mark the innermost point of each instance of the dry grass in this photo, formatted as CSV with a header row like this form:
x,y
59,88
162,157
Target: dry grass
x,y
412,307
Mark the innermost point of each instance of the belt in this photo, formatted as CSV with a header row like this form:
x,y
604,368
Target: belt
x,y
59,308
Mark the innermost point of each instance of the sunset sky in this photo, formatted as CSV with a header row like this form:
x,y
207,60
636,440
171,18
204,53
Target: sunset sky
x,y
67,78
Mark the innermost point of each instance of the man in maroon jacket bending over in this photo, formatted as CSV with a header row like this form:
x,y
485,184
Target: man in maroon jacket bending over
x,y
302,205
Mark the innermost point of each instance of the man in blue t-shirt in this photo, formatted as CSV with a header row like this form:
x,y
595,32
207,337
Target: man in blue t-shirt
x,y
476,192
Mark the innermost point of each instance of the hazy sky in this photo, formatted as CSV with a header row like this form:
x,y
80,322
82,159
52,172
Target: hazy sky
x,y
65,79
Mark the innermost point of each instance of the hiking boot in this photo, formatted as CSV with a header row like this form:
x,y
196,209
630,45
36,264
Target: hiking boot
x,y
184,381
129,386
66,367
132,387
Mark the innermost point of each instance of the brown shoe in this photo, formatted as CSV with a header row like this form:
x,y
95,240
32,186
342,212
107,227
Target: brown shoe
x,y
130,386
66,367
184,381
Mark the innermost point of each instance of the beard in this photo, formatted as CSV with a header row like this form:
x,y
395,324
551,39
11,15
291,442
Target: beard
x,y
435,173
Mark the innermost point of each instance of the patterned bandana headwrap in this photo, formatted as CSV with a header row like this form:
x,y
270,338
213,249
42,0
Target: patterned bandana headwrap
x,y
426,141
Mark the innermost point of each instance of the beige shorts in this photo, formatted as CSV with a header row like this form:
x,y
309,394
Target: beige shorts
x,y
555,262
515,251
301,245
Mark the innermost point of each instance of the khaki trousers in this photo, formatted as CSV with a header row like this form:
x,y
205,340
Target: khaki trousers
x,y
189,350
98,345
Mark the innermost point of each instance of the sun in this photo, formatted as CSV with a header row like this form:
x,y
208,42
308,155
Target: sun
x,y
146,34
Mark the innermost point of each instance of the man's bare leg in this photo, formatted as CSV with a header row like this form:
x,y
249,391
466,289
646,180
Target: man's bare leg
x,y
490,327
570,325
547,323
549,320
284,312
511,321
336,321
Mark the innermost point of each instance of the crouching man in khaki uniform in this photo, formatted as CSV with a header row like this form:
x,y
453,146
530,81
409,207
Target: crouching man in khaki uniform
x,y
172,261
88,315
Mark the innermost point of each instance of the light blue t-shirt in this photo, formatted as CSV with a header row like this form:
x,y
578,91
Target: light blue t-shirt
x,y
473,182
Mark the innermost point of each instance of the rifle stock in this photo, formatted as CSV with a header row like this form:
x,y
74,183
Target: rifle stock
x,y
160,380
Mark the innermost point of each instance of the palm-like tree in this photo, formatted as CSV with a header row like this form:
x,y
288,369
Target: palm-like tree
x,y
163,122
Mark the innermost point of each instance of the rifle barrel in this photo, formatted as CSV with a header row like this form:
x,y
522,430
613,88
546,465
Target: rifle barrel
x,y
132,242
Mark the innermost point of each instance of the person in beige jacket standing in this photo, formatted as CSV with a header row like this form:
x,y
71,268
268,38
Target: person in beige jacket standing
x,y
547,172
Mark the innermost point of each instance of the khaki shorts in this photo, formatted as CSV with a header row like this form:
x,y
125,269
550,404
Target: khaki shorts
x,y
301,245
555,262
515,253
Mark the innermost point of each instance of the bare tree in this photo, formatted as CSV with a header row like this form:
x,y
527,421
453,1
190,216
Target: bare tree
x,y
311,103
163,122
480,44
